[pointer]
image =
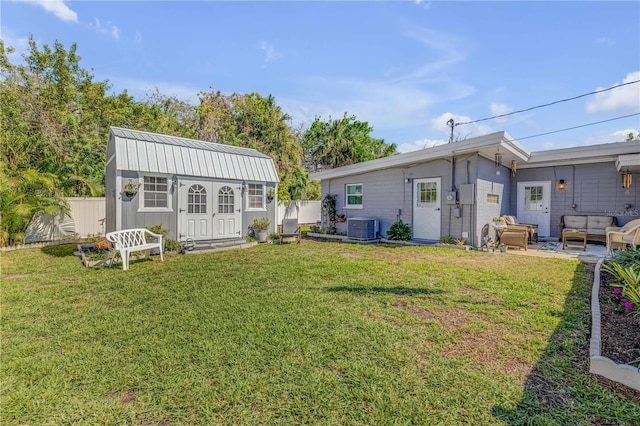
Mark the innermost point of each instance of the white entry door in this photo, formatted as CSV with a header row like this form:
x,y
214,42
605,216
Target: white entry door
x,y
534,201
426,208
227,215
195,209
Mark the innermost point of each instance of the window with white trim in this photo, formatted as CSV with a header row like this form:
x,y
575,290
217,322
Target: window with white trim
x,y
155,191
255,196
197,199
354,193
226,203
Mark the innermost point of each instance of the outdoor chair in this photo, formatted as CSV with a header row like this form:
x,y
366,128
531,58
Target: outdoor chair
x,y
620,237
290,228
515,238
512,224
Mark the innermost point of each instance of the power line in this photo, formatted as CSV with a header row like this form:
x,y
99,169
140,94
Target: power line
x,y
549,104
577,127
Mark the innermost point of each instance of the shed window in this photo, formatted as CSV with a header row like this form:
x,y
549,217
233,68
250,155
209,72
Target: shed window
x,y
155,192
226,200
354,195
197,199
255,196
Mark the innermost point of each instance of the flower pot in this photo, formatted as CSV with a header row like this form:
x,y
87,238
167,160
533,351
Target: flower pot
x,y
261,235
130,194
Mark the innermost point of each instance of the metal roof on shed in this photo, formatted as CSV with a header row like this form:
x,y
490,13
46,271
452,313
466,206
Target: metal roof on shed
x,y
155,153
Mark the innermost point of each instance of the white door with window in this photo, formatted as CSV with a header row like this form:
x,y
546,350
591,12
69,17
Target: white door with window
x,y
227,215
426,208
195,209
534,200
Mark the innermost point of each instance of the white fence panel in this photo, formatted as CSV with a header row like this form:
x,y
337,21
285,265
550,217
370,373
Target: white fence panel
x,y
306,211
86,217
89,215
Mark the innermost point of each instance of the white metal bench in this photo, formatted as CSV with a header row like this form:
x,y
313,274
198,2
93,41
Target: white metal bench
x,y
128,240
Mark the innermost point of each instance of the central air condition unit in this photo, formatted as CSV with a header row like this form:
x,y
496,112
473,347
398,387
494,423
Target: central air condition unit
x,y
362,228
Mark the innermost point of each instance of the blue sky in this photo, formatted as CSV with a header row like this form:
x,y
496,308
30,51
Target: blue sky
x,y
405,67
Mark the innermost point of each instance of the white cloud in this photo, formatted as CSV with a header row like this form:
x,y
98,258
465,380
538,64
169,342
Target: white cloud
x,y
108,29
423,4
460,132
387,103
500,109
58,8
605,40
625,98
270,53
420,144
19,44
139,88
137,37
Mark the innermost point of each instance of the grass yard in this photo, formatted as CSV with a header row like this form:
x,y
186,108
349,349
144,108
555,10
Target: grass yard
x,y
316,333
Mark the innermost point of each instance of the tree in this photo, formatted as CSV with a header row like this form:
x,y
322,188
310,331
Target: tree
x,y
253,121
631,137
22,195
336,143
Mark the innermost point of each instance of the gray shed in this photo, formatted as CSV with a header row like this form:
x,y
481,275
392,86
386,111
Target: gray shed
x,y
196,189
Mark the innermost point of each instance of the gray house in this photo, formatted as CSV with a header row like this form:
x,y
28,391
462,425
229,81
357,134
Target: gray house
x,y
457,188
200,190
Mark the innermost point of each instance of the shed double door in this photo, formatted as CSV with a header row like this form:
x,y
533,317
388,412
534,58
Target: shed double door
x,y
209,210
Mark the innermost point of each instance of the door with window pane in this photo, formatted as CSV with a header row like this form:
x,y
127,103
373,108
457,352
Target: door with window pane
x,y
534,199
227,216
195,209
426,208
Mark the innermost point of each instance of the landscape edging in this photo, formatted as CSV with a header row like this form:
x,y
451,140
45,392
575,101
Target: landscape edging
x,y
600,365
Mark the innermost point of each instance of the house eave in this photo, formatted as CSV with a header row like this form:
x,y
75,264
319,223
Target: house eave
x,y
485,146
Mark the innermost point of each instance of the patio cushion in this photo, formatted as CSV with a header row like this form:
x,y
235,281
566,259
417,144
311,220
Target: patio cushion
x,y
510,220
596,231
575,222
598,222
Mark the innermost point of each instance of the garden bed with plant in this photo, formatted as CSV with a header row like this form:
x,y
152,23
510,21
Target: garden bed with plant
x,y
619,297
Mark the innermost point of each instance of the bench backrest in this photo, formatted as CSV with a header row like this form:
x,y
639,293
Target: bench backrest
x,y
129,237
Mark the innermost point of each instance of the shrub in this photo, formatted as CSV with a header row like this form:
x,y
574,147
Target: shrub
x,y
399,231
172,245
261,224
628,281
627,257
158,229
448,239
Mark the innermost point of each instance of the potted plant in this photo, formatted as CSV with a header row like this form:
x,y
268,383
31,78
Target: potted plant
x,y
261,229
131,189
341,217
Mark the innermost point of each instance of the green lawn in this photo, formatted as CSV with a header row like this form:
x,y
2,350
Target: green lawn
x,y
316,333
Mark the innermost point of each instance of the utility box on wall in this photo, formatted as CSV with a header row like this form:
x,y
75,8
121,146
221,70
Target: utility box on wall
x,y
467,194
450,198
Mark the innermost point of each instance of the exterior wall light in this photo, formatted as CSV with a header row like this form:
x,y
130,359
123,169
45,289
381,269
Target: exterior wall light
x,y
562,184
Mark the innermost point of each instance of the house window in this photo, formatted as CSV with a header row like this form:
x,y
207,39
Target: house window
x,y
255,196
354,195
493,199
197,199
427,193
533,198
155,192
226,200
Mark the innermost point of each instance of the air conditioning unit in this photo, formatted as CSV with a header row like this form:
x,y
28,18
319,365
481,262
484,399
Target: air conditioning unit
x,y
362,228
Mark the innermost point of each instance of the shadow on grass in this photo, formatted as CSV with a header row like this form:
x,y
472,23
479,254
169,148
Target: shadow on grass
x,y
559,389
404,291
63,250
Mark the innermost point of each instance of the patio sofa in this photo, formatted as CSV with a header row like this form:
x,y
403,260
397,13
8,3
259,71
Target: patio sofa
x,y
594,226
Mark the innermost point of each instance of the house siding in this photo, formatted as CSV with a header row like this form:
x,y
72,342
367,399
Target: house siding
x,y
595,189
385,191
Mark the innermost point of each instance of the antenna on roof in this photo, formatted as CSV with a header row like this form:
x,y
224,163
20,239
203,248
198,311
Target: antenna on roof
x,y
451,124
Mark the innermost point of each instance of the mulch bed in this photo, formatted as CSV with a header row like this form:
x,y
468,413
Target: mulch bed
x,y
620,336
620,328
